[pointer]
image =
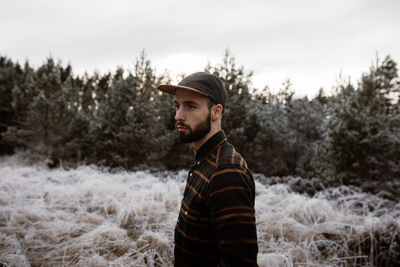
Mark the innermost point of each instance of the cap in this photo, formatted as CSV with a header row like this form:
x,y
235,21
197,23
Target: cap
x,y
202,82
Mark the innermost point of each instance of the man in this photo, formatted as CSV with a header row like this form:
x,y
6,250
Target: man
x,y
216,223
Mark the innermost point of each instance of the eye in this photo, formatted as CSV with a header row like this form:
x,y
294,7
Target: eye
x,y
191,106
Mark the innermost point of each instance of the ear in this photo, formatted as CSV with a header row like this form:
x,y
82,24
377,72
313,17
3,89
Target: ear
x,y
216,112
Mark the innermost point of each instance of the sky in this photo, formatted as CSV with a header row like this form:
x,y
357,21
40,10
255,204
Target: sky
x,y
311,42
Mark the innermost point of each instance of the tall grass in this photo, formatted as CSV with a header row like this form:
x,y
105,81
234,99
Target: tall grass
x,y
91,217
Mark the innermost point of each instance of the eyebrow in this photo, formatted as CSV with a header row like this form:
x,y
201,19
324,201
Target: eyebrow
x,y
187,102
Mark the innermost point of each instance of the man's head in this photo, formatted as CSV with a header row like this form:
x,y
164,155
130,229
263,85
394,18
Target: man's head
x,y
199,100
201,82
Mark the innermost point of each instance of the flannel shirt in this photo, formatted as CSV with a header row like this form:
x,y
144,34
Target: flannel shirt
x,y
216,224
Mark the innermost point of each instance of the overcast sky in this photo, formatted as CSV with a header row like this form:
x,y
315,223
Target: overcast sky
x,y
310,41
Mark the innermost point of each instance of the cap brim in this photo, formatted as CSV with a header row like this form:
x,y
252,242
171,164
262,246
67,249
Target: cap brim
x,y
171,89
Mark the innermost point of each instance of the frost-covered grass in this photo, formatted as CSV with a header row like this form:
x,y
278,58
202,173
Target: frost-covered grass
x,y
90,217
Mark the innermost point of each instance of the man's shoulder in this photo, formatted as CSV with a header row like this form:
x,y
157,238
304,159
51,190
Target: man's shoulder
x,y
228,157
231,170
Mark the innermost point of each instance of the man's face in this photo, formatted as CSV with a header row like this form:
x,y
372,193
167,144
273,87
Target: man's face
x,y
192,116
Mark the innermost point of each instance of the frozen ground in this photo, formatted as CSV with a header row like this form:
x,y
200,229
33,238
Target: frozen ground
x,y
90,217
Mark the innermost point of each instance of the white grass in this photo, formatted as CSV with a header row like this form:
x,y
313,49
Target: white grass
x,y
89,217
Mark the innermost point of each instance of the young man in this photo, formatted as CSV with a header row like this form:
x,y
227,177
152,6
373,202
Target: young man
x,y
216,224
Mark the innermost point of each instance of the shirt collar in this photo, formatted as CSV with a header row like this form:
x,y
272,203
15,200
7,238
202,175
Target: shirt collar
x,y
212,143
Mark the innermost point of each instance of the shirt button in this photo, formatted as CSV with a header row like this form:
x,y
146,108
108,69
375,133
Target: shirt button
x,y
185,212
198,163
190,174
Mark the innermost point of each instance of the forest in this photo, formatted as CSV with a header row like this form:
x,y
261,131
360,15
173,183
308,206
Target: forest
x,y
119,120
92,172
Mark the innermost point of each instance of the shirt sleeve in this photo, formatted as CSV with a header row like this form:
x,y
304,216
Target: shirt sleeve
x,y
231,202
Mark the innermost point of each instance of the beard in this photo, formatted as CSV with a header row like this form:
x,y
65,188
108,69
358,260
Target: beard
x,y
197,133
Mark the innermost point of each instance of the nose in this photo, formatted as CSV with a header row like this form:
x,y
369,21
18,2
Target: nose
x,y
179,115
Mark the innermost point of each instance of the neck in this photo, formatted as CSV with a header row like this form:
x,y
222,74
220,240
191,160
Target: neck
x,y
197,144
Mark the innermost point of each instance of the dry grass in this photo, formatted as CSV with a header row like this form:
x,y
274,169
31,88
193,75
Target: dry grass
x,y
88,217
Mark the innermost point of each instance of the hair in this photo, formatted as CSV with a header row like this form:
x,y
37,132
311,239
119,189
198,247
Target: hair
x,y
211,103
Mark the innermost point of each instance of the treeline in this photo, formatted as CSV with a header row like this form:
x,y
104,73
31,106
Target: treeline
x,y
120,119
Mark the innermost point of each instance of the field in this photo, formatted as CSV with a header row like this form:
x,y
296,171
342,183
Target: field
x,y
89,216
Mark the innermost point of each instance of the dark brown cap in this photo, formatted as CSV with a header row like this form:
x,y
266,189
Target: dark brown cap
x,y
202,82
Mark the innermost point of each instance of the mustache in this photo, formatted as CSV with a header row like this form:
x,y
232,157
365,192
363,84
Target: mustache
x,y
181,124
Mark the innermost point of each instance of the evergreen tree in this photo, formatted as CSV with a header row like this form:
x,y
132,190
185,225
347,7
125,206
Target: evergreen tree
x,y
267,150
127,123
120,119
304,119
364,130
45,106
240,131
287,128
23,93
10,76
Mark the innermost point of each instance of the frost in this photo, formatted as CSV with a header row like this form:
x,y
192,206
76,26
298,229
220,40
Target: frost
x,y
89,217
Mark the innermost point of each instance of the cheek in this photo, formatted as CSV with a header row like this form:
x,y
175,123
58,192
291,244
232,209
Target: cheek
x,y
195,117
201,117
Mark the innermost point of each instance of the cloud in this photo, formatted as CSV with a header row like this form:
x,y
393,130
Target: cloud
x,y
309,39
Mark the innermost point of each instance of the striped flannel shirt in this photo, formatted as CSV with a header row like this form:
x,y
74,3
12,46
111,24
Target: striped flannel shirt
x,y
216,224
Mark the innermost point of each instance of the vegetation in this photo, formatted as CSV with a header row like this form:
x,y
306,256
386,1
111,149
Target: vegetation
x,y
121,120
90,217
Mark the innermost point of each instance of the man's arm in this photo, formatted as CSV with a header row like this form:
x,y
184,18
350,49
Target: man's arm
x,y
231,201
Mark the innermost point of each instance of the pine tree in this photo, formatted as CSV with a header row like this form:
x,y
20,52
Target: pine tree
x,y
127,123
23,93
287,128
10,76
267,149
238,84
44,105
363,133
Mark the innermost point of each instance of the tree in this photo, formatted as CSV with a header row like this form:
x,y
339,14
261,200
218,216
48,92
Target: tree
x,y
10,76
127,123
45,105
287,128
238,84
364,130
